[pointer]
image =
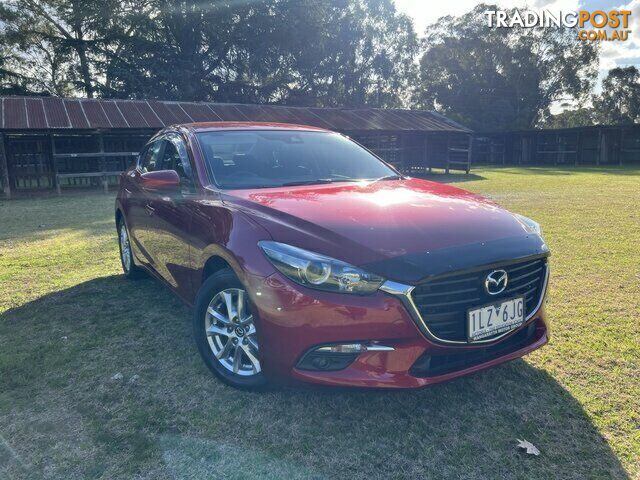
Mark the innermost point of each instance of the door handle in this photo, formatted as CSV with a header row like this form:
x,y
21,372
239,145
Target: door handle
x,y
150,210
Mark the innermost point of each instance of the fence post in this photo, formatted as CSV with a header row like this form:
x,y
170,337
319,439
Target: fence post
x,y
102,161
602,148
4,168
54,164
448,152
621,147
427,158
525,147
469,153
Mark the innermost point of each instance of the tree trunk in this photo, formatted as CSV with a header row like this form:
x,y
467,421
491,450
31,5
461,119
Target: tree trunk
x,y
84,62
84,71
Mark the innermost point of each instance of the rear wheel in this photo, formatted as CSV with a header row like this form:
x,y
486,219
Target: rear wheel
x,y
126,256
225,331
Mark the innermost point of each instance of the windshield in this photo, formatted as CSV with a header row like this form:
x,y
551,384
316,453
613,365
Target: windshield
x,y
274,158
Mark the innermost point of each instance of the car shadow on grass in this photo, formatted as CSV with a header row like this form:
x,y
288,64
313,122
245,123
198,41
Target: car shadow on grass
x,y
103,380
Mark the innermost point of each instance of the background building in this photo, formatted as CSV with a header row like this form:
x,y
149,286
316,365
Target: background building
x,y
54,143
592,145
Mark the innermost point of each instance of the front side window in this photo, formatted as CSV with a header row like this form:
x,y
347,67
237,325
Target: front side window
x,y
149,161
273,158
175,157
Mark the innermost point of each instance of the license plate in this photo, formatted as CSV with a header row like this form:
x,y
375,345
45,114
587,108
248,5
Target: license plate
x,y
494,319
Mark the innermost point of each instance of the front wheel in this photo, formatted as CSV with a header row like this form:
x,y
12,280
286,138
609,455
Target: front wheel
x,y
126,256
225,331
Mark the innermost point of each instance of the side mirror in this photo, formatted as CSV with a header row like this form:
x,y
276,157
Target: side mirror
x,y
160,179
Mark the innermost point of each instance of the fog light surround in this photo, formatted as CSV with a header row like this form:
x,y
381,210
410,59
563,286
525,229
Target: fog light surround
x,y
337,356
353,348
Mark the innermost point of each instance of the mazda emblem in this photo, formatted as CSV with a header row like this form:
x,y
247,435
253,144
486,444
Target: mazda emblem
x,y
496,282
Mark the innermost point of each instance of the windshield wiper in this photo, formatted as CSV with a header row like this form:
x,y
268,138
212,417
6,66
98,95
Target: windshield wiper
x,y
318,181
389,177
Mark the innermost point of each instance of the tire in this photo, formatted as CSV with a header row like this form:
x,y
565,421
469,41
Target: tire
x,y
129,268
225,333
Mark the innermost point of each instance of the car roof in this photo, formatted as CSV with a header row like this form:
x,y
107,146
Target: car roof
x,y
212,126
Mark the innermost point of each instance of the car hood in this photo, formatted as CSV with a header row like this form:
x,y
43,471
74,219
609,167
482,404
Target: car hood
x,y
368,222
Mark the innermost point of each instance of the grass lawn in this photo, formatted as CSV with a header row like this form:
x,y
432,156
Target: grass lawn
x,y
69,322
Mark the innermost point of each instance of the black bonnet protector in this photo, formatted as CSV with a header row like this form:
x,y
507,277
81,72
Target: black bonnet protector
x,y
414,268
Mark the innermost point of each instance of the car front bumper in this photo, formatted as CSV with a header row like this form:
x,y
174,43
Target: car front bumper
x,y
293,319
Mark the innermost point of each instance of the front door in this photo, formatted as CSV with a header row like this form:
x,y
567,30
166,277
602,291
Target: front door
x,y
171,218
139,211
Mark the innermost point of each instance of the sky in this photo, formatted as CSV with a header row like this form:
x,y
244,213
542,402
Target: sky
x,y
612,54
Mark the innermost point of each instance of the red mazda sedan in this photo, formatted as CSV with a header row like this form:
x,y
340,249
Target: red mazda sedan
x,y
307,258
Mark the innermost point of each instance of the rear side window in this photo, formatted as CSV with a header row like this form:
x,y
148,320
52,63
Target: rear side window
x,y
149,161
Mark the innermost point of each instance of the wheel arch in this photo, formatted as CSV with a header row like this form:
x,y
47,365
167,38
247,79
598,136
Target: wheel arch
x,y
214,264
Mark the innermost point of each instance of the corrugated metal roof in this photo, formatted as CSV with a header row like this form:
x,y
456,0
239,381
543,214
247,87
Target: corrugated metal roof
x,y
35,113
15,112
149,115
114,115
95,114
22,113
74,111
56,113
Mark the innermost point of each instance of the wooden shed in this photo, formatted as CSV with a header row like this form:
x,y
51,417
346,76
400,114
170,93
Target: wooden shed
x,y
592,145
57,143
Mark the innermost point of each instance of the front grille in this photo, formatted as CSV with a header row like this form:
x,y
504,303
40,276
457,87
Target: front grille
x,y
443,301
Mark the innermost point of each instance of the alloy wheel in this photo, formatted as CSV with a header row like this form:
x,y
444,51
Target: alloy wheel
x,y
231,332
125,248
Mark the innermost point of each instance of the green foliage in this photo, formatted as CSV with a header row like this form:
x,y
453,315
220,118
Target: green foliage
x,y
308,52
342,52
56,42
501,78
9,81
576,117
619,102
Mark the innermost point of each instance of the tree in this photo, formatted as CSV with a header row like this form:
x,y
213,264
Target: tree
x,y
339,52
619,102
10,82
185,49
571,117
57,40
344,52
350,53
501,78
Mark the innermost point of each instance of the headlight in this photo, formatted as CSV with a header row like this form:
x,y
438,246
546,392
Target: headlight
x,y
529,225
317,271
